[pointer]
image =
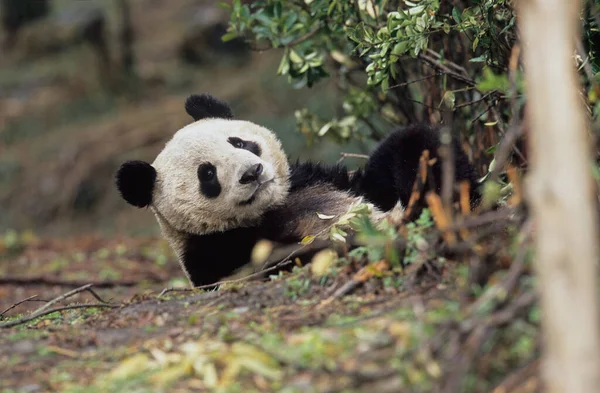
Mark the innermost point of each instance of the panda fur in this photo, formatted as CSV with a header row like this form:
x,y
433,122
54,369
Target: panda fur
x,y
220,185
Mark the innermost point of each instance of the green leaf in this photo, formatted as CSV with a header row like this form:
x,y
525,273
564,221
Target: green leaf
x,y
456,15
416,10
400,49
277,10
491,81
229,36
294,57
284,66
307,240
479,59
449,99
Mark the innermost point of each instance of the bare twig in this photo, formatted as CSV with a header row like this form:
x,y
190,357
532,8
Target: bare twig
x,y
518,380
448,169
481,328
375,134
352,155
503,151
305,37
515,130
449,63
359,278
413,81
44,309
505,214
173,289
63,351
446,70
587,68
515,271
477,101
17,304
38,314
489,108
85,288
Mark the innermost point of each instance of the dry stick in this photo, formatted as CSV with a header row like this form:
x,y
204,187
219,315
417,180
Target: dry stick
x,y
517,268
413,81
418,185
481,330
448,62
445,69
520,379
44,309
587,68
465,210
67,295
482,219
304,37
360,277
514,130
480,99
448,170
352,155
465,202
41,314
489,108
16,304
517,194
440,217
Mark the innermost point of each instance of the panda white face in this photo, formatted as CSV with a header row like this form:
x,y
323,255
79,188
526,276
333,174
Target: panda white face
x,y
213,175
217,174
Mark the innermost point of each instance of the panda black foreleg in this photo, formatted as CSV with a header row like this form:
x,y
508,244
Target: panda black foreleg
x,y
209,258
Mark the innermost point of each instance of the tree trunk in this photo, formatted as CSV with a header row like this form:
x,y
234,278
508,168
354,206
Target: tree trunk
x,y
562,197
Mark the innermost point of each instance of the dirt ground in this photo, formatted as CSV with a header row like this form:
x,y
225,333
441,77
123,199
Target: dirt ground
x,y
292,332
78,347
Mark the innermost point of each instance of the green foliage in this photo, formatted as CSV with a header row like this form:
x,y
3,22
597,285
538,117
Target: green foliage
x,y
370,48
297,286
417,249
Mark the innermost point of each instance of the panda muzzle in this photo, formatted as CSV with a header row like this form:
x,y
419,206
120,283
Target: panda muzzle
x,y
251,174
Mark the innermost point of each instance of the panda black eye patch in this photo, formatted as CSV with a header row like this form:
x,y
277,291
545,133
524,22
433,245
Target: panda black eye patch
x,y
239,143
209,182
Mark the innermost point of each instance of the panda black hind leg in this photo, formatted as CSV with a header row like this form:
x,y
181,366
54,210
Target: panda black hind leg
x,y
391,169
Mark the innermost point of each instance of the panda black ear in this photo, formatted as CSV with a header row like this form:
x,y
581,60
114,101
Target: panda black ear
x,y
135,181
202,106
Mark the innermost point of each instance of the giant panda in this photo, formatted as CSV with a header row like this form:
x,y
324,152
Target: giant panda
x,y
220,185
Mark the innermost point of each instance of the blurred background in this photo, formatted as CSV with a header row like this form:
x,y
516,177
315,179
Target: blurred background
x,y
86,85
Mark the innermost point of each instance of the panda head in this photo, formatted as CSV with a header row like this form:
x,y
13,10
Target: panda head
x,y
214,174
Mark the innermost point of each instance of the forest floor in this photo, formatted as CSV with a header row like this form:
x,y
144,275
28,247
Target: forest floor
x,y
461,323
294,332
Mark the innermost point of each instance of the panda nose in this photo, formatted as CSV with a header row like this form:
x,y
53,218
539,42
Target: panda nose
x,y
251,174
